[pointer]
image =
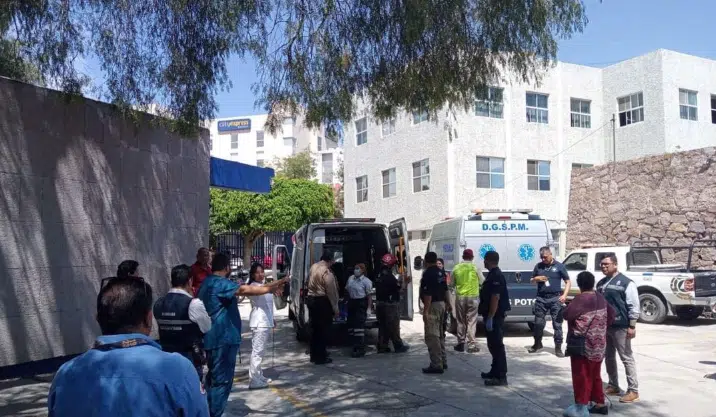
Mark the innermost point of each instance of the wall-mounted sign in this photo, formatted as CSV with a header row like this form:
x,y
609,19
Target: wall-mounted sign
x,y
235,125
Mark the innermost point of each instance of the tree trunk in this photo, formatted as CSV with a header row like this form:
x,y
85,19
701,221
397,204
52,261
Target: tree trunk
x,y
249,240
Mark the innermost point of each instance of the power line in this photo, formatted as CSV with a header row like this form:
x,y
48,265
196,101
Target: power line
x,y
552,157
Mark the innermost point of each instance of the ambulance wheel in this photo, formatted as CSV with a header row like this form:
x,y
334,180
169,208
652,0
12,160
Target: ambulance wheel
x,y
531,325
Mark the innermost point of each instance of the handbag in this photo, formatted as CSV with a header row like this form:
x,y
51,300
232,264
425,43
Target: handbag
x,y
576,345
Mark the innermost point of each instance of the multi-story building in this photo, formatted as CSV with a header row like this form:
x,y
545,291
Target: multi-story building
x,y
517,146
244,139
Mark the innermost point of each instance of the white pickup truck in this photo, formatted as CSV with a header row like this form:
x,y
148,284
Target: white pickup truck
x,y
664,289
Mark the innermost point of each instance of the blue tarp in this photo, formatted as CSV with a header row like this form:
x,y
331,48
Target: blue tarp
x,y
241,177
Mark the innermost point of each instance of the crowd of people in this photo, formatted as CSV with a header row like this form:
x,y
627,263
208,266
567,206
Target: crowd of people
x,y
190,371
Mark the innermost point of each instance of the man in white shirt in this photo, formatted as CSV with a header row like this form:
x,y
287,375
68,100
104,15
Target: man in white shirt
x,y
183,320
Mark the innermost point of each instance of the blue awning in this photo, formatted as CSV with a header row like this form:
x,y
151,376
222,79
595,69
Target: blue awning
x,y
241,177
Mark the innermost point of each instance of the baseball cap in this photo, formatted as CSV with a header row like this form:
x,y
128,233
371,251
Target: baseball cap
x,y
468,253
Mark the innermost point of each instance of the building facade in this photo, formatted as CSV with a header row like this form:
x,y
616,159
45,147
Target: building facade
x,y
244,139
517,146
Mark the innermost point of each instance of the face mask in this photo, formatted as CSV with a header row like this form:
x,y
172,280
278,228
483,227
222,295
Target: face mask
x,y
357,272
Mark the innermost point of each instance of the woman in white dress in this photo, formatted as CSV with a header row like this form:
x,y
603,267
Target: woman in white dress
x,y
261,322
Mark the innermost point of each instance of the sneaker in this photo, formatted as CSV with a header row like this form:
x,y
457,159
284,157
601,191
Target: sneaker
x,y
630,397
486,375
602,410
460,347
473,349
433,370
612,390
260,384
266,380
535,348
496,382
558,352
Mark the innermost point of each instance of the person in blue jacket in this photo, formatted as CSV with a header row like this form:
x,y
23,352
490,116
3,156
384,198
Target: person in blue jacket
x,y
126,373
218,293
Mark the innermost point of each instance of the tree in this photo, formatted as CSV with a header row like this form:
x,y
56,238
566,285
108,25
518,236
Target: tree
x,y
298,166
314,56
290,204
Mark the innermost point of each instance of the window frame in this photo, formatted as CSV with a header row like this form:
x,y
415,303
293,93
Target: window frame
x,y
540,177
632,110
394,183
234,141
362,192
262,142
495,109
583,120
391,123
688,107
541,114
489,172
421,175
421,116
363,132
323,168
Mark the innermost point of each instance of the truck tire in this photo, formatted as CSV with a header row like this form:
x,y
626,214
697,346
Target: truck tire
x,y
653,310
689,313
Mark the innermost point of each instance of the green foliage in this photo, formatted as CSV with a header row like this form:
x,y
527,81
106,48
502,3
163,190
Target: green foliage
x,y
314,56
298,166
290,204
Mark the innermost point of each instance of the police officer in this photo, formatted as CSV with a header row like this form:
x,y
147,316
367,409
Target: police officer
x,y
387,296
183,320
550,299
494,305
434,294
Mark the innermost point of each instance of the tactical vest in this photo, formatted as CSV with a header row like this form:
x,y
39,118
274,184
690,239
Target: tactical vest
x,y
615,293
176,332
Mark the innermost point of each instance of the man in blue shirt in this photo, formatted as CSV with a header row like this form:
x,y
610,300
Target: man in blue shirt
x,y
218,294
549,275
126,373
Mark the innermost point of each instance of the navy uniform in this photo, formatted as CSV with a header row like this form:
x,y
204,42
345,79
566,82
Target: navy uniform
x,y
495,283
547,302
434,284
387,297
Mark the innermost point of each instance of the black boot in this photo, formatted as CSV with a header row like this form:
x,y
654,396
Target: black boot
x,y
460,347
558,351
536,347
496,382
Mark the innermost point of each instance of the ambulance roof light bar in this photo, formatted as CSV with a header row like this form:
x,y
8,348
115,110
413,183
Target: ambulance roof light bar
x,y
481,211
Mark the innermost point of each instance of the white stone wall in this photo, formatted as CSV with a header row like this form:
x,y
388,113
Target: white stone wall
x,y
82,190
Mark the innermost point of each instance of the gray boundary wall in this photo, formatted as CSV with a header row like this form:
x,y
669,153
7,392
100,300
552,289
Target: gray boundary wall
x,y
82,189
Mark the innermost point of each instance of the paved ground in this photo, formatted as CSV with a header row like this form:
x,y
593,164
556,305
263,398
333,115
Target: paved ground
x,y
676,363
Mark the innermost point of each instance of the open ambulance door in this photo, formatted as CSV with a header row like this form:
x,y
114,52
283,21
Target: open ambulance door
x,y
398,232
281,267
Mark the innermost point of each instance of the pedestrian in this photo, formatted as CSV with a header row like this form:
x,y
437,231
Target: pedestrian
x,y
588,317
387,297
262,323
126,373
434,294
467,287
622,294
183,320
548,275
128,268
359,289
200,269
219,295
322,302
494,305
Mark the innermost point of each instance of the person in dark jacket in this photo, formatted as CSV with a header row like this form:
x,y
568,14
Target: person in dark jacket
x,y
387,296
493,307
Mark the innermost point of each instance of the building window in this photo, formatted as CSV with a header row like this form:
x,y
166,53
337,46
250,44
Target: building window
x,y
489,103
424,234
538,175
234,155
389,183
290,142
420,116
260,163
490,172
327,168
319,144
421,176
580,166
234,141
362,188
388,127
289,120
537,108
259,138
631,109
688,105
713,109
361,131
580,113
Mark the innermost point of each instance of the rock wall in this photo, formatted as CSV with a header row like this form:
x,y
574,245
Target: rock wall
x,y
82,189
668,198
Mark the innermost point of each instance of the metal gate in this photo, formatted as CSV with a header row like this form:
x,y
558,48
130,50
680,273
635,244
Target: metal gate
x,y
232,243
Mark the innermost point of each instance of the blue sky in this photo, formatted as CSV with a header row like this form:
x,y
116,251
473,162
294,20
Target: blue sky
x,y
617,30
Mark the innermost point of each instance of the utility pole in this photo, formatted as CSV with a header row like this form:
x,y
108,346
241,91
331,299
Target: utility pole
x,y
614,138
